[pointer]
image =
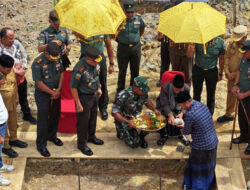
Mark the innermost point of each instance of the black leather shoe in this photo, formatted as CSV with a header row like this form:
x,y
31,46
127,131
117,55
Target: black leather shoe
x,y
18,143
224,118
10,152
30,119
44,152
144,144
96,141
57,141
104,114
86,150
239,140
247,151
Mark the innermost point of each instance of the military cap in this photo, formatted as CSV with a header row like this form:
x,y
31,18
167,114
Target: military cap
x,y
93,53
129,5
182,97
54,17
239,32
53,50
178,81
6,61
246,46
141,83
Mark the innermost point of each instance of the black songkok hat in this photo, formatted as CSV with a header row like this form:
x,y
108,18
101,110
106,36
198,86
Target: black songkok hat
x,y
178,81
6,61
93,53
53,49
182,97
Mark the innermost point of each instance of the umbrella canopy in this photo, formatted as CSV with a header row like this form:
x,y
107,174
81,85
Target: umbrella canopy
x,y
90,17
192,22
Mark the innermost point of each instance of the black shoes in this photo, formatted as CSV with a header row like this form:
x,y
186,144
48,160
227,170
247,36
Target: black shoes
x,y
104,114
30,119
144,144
57,141
96,141
44,152
86,150
224,118
247,151
18,143
239,140
10,152
162,140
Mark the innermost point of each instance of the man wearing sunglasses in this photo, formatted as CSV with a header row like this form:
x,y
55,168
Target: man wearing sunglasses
x,y
47,72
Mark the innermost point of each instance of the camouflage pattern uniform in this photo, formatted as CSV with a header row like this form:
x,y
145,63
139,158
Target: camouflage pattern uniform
x,y
128,105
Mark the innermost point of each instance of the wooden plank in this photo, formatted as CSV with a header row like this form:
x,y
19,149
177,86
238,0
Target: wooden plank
x,y
229,174
17,176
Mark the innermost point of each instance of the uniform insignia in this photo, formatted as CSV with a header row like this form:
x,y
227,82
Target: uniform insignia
x,y
45,66
81,69
41,42
37,66
77,77
46,77
39,60
90,84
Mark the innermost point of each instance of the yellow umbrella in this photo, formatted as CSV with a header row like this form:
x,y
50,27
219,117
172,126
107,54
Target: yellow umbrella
x,y
90,17
192,22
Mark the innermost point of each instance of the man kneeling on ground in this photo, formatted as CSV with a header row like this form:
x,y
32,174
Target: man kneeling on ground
x,y
128,103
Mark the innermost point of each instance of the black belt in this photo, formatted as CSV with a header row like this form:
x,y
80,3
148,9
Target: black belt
x,y
204,69
90,94
2,124
129,45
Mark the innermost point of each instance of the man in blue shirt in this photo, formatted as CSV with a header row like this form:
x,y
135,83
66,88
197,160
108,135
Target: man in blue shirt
x,y
200,169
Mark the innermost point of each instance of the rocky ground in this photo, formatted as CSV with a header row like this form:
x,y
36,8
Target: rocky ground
x,y
27,18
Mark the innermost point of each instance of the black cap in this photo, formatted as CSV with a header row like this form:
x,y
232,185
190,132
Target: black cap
x,y
246,45
54,17
178,2
182,97
178,81
92,52
6,61
53,49
129,5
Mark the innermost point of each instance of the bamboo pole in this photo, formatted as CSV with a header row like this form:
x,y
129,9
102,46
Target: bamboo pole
x,y
234,12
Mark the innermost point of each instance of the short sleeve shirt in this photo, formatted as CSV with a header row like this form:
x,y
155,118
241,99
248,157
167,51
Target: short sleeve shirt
x,y
244,81
130,34
85,77
210,59
129,104
50,34
46,71
96,41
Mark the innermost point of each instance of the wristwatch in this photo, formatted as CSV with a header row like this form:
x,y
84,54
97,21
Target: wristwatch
x,y
111,63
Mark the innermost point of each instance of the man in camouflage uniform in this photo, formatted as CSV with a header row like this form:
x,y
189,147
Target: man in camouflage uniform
x,y
57,34
231,64
128,103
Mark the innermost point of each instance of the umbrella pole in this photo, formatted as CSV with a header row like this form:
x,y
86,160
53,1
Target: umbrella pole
x,y
235,111
234,12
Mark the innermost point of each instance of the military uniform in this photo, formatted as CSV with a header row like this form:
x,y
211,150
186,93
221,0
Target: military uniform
x,y
98,43
129,50
50,34
10,98
128,105
85,79
48,111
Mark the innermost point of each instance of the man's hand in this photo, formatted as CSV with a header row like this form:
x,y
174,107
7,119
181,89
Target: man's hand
x,y
111,69
229,76
65,51
1,140
170,119
219,77
56,94
157,112
131,124
79,108
59,43
99,91
241,96
180,125
180,115
235,90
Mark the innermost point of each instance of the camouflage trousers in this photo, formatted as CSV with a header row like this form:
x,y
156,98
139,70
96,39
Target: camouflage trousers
x,y
130,135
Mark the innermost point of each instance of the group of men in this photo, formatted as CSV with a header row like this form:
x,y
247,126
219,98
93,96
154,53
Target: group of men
x,y
89,90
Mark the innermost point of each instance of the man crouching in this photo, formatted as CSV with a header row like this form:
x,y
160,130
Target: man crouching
x,y
128,103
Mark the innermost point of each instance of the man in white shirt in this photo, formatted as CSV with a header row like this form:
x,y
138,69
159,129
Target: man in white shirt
x,y
12,47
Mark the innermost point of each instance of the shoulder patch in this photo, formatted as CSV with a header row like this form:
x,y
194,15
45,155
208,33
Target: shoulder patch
x,y
137,14
81,69
39,60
